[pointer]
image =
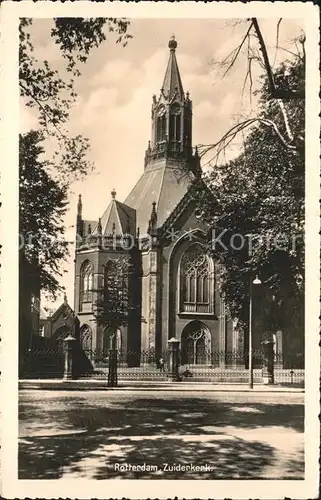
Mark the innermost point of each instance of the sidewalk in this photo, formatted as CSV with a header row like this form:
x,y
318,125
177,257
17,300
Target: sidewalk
x,y
148,385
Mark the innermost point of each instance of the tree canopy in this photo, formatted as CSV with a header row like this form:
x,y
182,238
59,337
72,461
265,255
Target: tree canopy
x,y
256,201
43,204
115,301
50,93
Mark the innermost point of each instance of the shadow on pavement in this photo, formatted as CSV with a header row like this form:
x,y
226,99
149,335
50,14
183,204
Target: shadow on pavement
x,y
73,436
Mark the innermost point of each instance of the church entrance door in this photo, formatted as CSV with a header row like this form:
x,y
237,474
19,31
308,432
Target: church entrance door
x,y
195,344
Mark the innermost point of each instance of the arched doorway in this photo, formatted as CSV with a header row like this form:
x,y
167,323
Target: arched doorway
x,y
59,335
195,344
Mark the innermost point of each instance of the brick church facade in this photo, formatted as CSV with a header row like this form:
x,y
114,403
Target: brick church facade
x,y
176,286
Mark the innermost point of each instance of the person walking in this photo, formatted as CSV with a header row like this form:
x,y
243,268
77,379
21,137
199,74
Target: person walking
x,y
161,364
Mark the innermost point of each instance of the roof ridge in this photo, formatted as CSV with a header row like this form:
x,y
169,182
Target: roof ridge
x,y
180,206
114,202
160,190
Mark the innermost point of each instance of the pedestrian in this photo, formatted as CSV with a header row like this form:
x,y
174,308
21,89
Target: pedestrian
x,y
161,364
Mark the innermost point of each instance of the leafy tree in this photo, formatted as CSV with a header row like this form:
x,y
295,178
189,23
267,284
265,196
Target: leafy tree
x,y
116,300
43,204
256,201
117,304
51,95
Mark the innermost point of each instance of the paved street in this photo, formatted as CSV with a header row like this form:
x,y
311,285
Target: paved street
x,y
109,434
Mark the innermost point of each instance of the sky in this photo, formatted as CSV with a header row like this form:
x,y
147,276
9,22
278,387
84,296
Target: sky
x,y
115,91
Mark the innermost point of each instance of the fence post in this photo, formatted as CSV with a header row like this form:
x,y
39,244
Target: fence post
x,y
112,363
173,348
69,348
268,364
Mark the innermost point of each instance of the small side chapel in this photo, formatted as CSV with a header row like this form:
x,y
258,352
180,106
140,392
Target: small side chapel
x,y
176,286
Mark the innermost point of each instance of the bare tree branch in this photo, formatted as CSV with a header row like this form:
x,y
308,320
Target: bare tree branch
x,y
264,54
292,53
236,52
229,136
275,93
277,40
286,119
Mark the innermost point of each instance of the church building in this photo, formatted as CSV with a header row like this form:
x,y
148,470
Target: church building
x,y
176,286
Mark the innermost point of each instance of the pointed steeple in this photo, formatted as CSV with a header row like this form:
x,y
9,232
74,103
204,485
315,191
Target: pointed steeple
x,y
152,224
171,117
99,228
79,220
79,206
172,82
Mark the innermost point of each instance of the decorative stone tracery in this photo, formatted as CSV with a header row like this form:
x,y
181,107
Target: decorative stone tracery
x,y
196,344
196,281
86,338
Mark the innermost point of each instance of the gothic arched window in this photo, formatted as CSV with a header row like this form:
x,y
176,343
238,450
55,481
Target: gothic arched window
x,y
86,338
178,128
161,128
196,281
175,123
86,282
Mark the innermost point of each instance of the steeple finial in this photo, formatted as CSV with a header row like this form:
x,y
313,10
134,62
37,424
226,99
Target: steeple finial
x,y
79,206
99,228
113,194
65,299
172,44
153,217
79,221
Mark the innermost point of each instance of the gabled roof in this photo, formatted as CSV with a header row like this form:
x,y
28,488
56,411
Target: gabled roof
x,y
166,185
181,207
62,309
118,219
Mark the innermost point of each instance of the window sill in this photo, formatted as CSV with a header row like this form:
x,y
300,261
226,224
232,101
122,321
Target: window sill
x,y
189,314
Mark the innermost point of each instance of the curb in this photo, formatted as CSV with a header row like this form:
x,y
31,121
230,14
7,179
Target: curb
x,y
97,386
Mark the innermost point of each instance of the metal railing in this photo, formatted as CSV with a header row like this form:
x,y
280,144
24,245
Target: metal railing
x,y
204,365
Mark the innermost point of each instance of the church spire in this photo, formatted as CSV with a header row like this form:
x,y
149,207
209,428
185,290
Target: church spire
x,y
171,117
79,220
172,85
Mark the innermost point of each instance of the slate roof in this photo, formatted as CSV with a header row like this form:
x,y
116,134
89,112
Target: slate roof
x,y
118,218
165,181
172,79
166,185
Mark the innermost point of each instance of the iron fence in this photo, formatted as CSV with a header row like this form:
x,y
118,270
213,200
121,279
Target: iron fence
x,y
206,366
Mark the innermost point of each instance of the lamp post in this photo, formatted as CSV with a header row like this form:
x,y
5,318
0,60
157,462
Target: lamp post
x,y
112,362
257,281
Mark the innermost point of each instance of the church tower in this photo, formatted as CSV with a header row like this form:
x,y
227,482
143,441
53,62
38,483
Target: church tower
x,y
171,116
171,165
174,281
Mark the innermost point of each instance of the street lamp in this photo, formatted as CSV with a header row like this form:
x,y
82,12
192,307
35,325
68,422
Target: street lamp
x,y
256,281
